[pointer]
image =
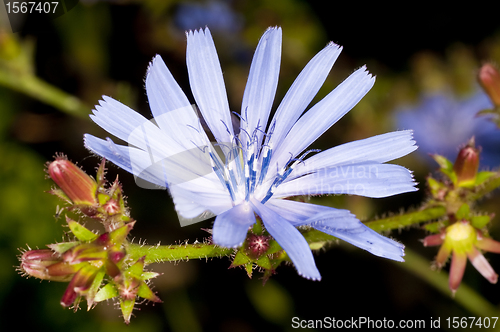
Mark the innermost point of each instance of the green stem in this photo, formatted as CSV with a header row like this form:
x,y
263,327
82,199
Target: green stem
x,y
44,92
174,253
465,295
485,189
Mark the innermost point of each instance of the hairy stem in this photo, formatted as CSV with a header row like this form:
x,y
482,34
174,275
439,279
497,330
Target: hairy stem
x,y
174,253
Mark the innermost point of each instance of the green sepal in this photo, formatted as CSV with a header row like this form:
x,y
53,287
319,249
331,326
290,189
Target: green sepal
x,y
59,193
127,306
240,259
146,293
149,275
317,245
249,269
101,172
483,176
61,248
118,235
435,227
102,198
264,262
435,186
480,222
80,232
463,212
446,167
257,228
136,269
107,292
91,293
274,247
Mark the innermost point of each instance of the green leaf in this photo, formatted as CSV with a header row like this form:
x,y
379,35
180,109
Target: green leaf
x,y
80,232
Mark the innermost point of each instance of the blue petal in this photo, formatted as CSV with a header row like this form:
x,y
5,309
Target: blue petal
x,y
354,232
301,93
298,213
369,180
172,111
123,122
376,149
261,85
323,115
230,228
290,239
128,158
339,223
207,84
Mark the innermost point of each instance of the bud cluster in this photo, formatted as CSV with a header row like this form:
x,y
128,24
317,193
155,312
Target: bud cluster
x,y
87,195
92,258
462,233
259,251
462,178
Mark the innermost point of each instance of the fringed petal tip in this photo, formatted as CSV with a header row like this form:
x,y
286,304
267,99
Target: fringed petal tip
x,y
309,277
191,33
276,27
156,58
335,46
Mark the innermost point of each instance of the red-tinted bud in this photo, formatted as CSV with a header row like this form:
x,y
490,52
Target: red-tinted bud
x,y
257,245
75,183
36,263
489,78
467,164
79,284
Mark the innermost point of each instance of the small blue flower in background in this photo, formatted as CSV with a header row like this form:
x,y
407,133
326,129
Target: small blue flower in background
x,y
216,14
250,169
442,123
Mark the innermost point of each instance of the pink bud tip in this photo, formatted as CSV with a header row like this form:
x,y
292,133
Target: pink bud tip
x,y
489,78
467,164
75,183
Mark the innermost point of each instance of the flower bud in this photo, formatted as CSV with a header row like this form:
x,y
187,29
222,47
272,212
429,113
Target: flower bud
x,y
75,183
489,78
257,245
467,164
36,263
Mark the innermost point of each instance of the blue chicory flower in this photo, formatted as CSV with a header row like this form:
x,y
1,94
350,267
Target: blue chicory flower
x,y
249,170
443,122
